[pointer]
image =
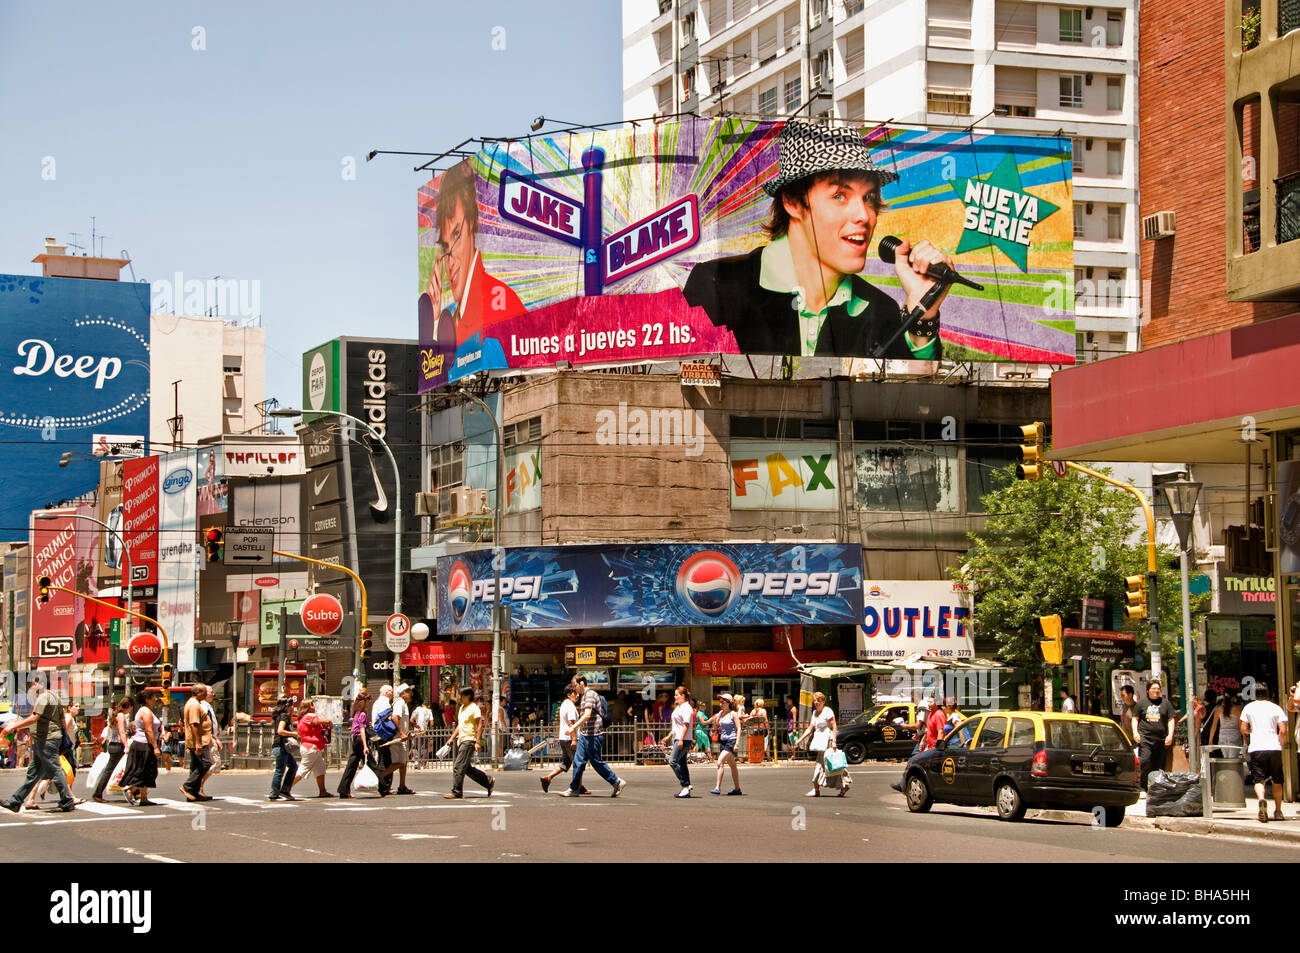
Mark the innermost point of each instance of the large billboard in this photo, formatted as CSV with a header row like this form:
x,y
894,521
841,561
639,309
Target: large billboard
x,y
63,548
178,531
736,236
908,617
654,584
74,362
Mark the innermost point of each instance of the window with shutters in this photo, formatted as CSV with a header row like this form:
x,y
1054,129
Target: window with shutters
x,y
664,97
740,8
1114,222
717,17
1115,158
1076,158
854,54
1015,24
791,21
818,11
1115,28
854,108
1016,89
664,45
688,84
948,22
767,102
948,88
1072,91
822,68
767,42
1114,93
1078,220
688,28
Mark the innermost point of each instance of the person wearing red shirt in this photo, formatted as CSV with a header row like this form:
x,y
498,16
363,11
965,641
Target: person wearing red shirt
x,y
936,726
314,735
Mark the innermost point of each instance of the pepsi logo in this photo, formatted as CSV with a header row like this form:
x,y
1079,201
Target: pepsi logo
x,y
707,582
458,589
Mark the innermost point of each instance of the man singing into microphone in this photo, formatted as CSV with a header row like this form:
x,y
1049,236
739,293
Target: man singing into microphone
x,y
802,293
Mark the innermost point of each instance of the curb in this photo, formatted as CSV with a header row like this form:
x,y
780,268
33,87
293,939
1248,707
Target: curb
x,y
1194,825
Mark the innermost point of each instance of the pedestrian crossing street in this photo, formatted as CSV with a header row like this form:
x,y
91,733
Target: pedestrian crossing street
x,y
169,807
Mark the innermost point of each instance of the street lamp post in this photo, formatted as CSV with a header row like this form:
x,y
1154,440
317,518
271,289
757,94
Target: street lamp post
x,y
498,561
288,412
1182,496
130,594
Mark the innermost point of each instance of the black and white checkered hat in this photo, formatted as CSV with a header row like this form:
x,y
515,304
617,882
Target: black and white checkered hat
x,y
807,149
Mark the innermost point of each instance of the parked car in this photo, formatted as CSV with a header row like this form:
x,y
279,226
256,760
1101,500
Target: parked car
x,y
1024,759
882,731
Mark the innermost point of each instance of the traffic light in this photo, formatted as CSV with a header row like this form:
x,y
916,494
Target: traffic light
x,y
215,538
1031,451
367,637
166,682
45,589
1136,596
1053,644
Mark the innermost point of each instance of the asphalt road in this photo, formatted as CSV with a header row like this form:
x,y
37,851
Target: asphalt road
x,y
773,821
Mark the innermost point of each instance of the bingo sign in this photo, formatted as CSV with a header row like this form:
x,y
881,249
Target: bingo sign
x,y
903,618
321,614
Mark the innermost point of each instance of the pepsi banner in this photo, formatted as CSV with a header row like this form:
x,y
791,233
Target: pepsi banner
x,y
690,238
655,584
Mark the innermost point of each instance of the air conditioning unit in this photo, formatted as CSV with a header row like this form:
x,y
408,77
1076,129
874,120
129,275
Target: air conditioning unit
x,y
1159,225
468,501
426,504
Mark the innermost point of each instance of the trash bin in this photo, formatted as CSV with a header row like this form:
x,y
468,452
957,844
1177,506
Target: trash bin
x,y
1228,789
757,744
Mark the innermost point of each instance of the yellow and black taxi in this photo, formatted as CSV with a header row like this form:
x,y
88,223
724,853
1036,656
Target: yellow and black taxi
x,y
886,730
1015,760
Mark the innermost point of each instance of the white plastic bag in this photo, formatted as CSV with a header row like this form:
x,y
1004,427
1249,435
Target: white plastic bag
x,y
444,752
97,770
366,780
115,779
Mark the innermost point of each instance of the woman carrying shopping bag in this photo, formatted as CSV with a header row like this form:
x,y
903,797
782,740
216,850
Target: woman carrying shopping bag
x,y
117,743
822,728
360,745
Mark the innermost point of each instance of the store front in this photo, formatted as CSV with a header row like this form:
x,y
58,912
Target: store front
x,y
1241,638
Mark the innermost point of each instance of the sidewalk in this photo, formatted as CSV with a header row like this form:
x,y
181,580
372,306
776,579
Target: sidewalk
x,y
1234,822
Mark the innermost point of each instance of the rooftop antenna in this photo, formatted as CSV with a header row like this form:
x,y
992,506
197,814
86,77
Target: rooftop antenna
x,y
76,243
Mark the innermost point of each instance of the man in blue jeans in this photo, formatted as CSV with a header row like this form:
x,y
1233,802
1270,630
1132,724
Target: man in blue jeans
x,y
47,736
590,732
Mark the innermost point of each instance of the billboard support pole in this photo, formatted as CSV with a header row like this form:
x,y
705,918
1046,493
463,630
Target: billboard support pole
x,y
284,624
498,563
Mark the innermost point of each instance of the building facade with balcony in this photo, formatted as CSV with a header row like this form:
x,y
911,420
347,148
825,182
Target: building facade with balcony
x,y
998,65
1215,383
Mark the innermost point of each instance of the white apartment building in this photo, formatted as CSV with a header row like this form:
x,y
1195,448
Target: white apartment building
x,y
1010,66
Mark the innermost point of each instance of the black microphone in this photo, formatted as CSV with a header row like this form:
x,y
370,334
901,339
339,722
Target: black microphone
x,y
939,272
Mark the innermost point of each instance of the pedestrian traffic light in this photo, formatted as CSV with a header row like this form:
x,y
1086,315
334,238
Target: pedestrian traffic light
x,y
45,589
367,637
215,537
1031,451
1053,644
1135,596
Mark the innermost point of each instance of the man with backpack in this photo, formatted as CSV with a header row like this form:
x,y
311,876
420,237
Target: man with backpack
x,y
590,732
383,729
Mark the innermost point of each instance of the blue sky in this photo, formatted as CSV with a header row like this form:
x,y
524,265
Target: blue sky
x,y
229,160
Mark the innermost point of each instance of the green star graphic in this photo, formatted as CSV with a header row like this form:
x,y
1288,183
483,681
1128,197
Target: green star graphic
x,y
1005,176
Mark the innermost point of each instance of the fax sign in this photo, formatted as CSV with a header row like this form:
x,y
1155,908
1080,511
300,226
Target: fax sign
x,y
248,546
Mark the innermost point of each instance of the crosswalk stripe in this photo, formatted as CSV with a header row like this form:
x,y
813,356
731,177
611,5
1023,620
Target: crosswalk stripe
x,y
106,810
178,805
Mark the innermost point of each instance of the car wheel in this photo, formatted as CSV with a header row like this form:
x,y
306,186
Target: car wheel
x,y
918,795
1114,816
1010,807
855,752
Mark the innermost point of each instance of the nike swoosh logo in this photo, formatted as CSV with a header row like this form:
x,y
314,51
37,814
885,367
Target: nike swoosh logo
x,y
320,485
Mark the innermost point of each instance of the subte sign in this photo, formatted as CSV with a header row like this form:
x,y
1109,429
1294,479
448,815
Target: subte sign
x,y
397,633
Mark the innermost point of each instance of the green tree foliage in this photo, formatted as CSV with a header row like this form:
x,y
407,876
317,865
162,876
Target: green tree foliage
x,y
1046,546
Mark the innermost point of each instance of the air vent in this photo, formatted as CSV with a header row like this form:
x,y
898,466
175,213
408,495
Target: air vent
x,y
1159,225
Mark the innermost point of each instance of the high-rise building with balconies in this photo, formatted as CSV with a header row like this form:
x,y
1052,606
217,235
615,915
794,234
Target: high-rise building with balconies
x,y
995,65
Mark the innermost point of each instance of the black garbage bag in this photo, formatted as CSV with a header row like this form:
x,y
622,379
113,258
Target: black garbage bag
x,y
1173,794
